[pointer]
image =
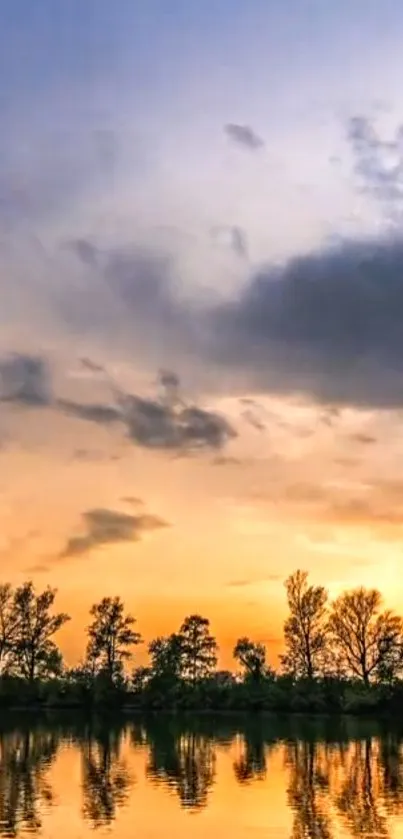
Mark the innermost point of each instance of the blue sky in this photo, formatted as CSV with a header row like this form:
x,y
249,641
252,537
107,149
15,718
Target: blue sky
x,y
142,91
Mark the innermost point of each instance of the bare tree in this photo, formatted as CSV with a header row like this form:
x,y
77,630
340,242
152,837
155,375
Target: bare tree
x,y
34,654
367,641
111,636
305,629
8,623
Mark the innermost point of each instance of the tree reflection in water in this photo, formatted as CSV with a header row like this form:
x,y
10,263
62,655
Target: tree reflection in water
x,y
250,765
184,761
343,779
106,780
25,759
308,790
345,788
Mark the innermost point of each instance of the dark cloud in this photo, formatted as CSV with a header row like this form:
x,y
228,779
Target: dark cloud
x,y
327,325
91,366
107,527
243,135
156,425
167,422
378,165
25,380
91,412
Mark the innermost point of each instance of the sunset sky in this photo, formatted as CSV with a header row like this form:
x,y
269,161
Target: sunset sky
x,y
201,305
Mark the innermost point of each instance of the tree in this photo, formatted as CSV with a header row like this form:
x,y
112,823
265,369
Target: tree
x,y
34,654
252,657
110,637
305,630
367,642
199,648
167,656
7,623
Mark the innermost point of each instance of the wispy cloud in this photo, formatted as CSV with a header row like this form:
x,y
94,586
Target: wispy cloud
x,y
167,422
245,582
378,165
107,527
25,380
244,136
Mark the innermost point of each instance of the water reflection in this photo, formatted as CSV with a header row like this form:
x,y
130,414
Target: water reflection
x,y
338,778
251,763
184,761
106,780
25,759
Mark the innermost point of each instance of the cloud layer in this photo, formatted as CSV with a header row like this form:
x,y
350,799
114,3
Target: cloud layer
x,y
326,324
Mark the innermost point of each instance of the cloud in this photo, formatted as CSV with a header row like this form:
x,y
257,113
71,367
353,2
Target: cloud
x,y
106,527
226,460
326,324
378,165
91,412
166,422
133,500
252,581
91,366
363,439
254,413
86,252
232,237
155,425
244,136
25,380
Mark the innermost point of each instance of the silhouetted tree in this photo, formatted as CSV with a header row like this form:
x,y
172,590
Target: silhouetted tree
x,y
167,656
252,657
199,648
8,622
305,628
110,637
367,642
34,655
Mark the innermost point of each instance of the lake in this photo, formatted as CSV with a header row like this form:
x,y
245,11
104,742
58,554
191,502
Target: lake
x,y
238,778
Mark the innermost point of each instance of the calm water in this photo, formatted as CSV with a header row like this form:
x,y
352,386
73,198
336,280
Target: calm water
x,y
295,778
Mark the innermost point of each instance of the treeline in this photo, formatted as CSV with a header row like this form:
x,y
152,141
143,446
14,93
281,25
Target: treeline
x,y
340,656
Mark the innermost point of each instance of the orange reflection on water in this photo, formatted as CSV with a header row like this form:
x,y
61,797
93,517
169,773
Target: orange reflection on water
x,y
289,778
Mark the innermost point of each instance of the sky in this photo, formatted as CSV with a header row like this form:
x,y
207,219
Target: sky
x,y
201,298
